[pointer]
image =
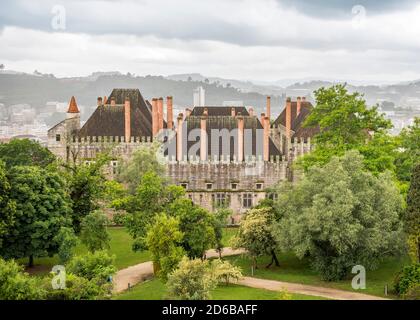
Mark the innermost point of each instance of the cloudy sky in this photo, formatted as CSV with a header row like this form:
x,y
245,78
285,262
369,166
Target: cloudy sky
x,y
264,40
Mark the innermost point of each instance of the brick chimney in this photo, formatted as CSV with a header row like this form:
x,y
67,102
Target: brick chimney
x,y
105,100
298,104
206,112
187,112
240,137
251,112
155,127
113,101
179,137
160,113
262,119
169,113
303,99
266,137
268,105
99,101
288,117
127,119
203,136
232,112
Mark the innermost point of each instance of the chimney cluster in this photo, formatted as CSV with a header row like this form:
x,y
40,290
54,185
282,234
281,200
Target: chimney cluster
x,y
127,119
158,114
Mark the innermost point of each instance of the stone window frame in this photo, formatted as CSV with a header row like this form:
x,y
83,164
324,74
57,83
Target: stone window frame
x,y
209,186
114,165
247,199
58,137
259,185
221,200
234,186
184,185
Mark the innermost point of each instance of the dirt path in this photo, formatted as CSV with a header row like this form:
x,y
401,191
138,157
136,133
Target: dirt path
x,y
305,289
143,271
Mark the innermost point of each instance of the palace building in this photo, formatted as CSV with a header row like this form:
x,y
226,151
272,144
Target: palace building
x,y
223,156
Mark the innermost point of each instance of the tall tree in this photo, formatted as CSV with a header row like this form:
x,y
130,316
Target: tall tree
x,y
42,208
412,215
25,152
7,205
94,234
255,234
339,216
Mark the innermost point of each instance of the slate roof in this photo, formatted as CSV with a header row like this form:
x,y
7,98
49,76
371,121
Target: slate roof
x,y
108,120
220,118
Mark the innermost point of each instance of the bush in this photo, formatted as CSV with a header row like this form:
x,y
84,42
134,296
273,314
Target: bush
x,y
193,280
119,218
413,293
224,271
98,266
67,240
407,280
94,232
77,288
17,285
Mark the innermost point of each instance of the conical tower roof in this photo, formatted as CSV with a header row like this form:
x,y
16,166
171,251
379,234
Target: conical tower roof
x,y
73,106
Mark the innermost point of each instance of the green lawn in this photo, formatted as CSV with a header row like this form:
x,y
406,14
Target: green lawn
x,y
155,290
228,233
120,246
294,270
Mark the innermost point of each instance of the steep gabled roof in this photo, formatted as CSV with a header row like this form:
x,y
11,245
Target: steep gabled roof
x,y
108,120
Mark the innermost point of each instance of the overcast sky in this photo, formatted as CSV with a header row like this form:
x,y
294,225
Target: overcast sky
x,y
264,40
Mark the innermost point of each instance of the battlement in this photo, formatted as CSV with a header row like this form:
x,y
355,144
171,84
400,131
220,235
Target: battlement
x,y
88,140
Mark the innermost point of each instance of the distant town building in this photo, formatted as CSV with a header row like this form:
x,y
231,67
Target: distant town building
x,y
199,97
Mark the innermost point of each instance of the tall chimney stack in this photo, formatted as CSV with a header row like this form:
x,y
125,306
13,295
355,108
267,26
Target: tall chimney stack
x,y
127,118
105,100
113,101
187,112
262,118
288,117
160,113
268,107
298,105
169,113
203,136
99,101
232,112
240,137
179,137
155,126
266,138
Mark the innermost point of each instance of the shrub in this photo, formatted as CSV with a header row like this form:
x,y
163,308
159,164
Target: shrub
x,y
94,232
413,293
224,271
407,279
67,240
17,285
119,218
193,280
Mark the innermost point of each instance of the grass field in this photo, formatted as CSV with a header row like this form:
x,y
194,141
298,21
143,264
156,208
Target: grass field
x,y
155,290
228,233
294,270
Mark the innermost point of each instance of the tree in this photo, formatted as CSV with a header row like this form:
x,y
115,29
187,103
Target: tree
x,y
412,215
142,161
94,234
256,236
17,285
224,271
163,240
86,184
193,280
2,67
197,225
345,123
339,216
219,223
42,208
98,265
25,152
67,240
7,205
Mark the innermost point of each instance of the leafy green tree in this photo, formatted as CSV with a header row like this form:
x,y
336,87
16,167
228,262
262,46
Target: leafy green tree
x,y
42,208
7,205
255,234
193,280
67,240
163,240
151,198
412,215
408,278
219,222
197,225
345,123
25,152
17,285
86,184
142,161
94,234
339,216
